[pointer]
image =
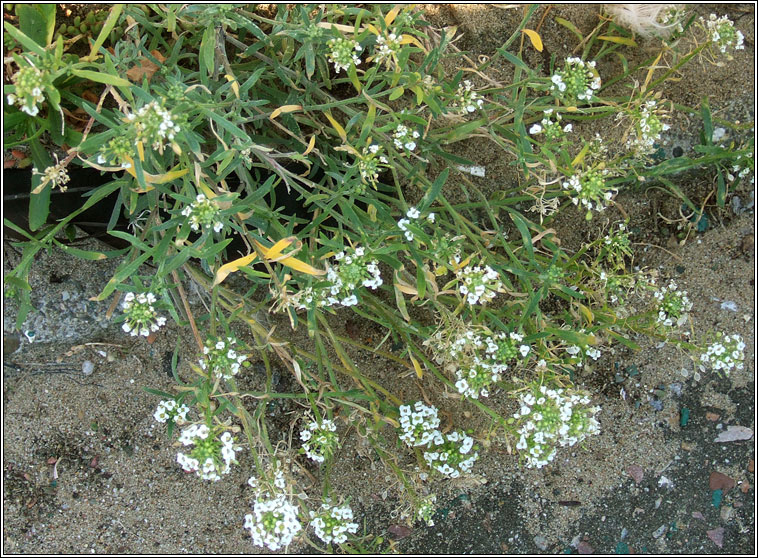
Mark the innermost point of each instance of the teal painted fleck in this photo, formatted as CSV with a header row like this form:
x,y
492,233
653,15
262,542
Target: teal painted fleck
x,y
685,417
716,497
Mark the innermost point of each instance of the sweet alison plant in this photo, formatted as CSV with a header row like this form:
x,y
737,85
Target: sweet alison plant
x,y
300,160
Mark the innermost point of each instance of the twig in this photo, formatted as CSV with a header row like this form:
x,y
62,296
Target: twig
x,y
660,247
185,303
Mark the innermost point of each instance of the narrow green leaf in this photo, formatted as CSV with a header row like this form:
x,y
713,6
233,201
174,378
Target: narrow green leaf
x,y
523,228
516,61
26,42
570,26
108,25
224,123
368,124
124,272
39,204
434,191
88,254
131,239
207,51
397,93
705,111
101,78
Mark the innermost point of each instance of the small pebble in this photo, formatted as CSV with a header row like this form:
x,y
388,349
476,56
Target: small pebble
x,y
717,536
658,533
540,542
88,367
727,512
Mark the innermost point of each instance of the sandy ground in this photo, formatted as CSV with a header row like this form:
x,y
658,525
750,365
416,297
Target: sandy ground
x,y
643,485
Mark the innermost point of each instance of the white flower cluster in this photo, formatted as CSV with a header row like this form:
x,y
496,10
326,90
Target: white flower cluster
x,y
220,358
388,47
353,270
333,523
140,316
648,129
450,454
170,411
320,440
478,284
29,82
405,138
578,353
154,125
616,285
744,166
480,358
411,218
117,151
551,417
466,99
418,425
551,128
724,355
370,162
203,214
57,175
589,188
722,34
672,19
211,457
342,54
425,510
273,523
577,81
446,453
673,305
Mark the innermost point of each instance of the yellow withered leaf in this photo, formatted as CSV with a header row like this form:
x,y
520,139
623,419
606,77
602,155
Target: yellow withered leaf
x,y
311,145
620,40
302,267
284,109
650,71
235,84
340,130
210,194
224,271
407,289
410,39
276,249
417,367
273,254
534,37
586,312
391,15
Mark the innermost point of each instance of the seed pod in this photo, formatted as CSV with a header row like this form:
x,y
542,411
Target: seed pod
x,y
77,21
84,28
90,17
72,30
